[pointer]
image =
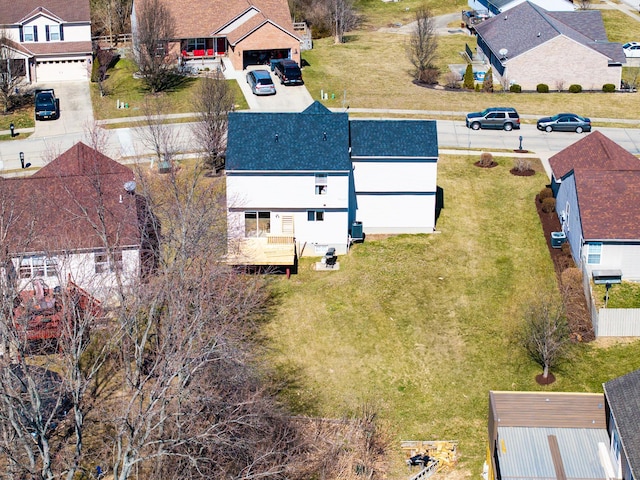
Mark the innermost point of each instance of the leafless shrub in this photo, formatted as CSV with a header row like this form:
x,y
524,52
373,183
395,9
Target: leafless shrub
x,y
452,80
522,165
560,85
486,159
548,205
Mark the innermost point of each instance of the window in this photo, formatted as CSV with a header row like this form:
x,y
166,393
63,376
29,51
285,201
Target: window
x,y
104,264
195,44
257,224
321,183
38,267
28,33
315,215
595,252
53,33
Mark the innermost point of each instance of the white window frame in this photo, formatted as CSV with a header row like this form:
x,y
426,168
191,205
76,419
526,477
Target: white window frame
x,y
262,224
594,253
321,183
104,263
54,29
38,266
28,31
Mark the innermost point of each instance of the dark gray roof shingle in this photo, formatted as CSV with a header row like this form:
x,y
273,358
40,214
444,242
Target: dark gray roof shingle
x,y
314,140
394,138
527,26
623,395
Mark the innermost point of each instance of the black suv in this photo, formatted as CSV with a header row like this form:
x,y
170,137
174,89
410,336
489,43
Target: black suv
x,y
288,72
47,105
497,117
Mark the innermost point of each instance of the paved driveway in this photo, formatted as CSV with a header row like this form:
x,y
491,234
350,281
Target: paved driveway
x,y
287,98
75,109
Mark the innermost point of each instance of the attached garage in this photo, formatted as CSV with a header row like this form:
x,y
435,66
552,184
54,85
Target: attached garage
x,y
57,70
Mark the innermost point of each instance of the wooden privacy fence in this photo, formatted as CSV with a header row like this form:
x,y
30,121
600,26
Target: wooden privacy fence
x,y
610,322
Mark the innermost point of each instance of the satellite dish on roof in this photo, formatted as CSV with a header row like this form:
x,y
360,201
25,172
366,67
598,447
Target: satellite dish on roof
x,y
130,186
503,52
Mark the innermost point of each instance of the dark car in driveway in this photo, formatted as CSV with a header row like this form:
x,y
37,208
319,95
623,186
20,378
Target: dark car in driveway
x,y
47,106
565,122
260,82
502,118
288,72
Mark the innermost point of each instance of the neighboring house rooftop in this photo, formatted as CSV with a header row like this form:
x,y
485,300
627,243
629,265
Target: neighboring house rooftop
x,y
231,18
373,138
593,152
606,199
52,48
527,26
314,140
69,204
623,396
15,12
539,432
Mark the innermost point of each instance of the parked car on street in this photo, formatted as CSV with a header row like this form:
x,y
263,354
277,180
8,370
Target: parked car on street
x,y
288,72
47,106
631,49
565,122
260,82
502,118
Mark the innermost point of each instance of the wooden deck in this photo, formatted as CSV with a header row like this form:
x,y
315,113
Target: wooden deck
x,y
276,250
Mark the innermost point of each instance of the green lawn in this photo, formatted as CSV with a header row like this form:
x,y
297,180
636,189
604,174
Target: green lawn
x,y
120,85
421,326
624,295
22,117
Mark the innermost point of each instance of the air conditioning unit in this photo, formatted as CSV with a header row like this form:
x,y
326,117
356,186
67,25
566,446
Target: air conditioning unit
x,y
557,239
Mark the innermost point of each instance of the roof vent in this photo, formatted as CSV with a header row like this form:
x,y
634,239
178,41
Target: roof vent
x,y
506,16
503,53
324,136
276,138
538,33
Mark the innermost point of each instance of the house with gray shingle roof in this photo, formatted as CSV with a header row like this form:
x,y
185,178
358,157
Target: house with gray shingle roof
x,y
597,184
527,45
48,40
76,219
245,31
622,398
496,7
308,179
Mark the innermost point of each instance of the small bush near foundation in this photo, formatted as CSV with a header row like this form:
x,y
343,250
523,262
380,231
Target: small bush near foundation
x,y
575,88
548,205
515,88
608,88
542,88
545,193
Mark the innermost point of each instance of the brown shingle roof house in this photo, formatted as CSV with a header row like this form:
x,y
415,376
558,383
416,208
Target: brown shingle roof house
x,y
51,38
597,188
78,218
246,31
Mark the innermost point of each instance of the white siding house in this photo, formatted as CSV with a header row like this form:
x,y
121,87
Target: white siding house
x,y
54,233
53,38
305,179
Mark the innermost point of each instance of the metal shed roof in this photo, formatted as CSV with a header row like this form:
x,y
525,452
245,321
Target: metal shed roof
x,y
526,453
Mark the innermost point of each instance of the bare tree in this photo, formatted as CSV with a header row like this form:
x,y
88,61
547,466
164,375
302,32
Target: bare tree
x,y
343,17
213,100
157,133
12,72
153,30
423,45
545,334
111,17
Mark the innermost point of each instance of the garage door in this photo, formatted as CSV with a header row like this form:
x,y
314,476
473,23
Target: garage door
x,y
56,70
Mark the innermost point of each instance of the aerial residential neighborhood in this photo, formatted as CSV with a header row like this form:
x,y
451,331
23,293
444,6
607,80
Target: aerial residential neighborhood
x,y
319,239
